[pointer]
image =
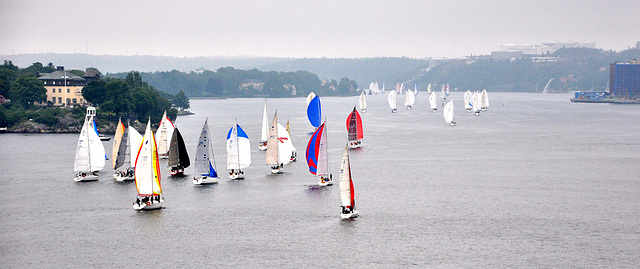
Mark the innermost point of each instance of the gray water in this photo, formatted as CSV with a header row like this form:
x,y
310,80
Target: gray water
x,y
535,181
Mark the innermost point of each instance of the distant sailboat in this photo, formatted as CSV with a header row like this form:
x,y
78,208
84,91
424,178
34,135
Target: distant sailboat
x,y
90,153
391,98
363,103
163,135
265,129
484,103
280,150
204,156
148,174
433,103
316,156
347,192
314,112
409,99
476,99
444,93
178,155
448,113
238,152
354,129
468,104
121,154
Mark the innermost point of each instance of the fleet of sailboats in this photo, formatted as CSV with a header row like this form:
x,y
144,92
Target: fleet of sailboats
x,y
238,152
205,161
178,155
147,171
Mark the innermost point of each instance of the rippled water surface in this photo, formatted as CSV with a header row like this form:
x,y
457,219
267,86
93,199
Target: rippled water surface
x,y
534,181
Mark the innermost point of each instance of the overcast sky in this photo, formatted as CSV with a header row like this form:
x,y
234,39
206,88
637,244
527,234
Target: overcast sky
x,y
327,28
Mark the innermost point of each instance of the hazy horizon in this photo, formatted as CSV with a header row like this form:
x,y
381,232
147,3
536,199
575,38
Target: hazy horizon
x,y
302,29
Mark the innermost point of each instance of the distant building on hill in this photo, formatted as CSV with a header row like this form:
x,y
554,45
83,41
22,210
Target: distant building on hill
x,y
255,84
63,88
508,51
624,79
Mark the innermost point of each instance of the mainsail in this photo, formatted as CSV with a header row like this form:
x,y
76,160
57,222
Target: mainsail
x,y
178,156
347,194
204,154
164,134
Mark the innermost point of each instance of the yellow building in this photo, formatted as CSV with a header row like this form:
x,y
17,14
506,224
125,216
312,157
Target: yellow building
x,y
63,87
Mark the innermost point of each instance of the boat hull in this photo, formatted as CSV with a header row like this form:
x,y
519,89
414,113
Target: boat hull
x,y
355,144
351,215
325,183
177,171
203,180
119,177
262,146
144,206
394,110
89,177
236,175
276,170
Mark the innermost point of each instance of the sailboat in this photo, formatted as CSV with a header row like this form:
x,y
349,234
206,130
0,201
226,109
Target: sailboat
x,y
264,131
354,129
207,172
135,139
433,102
178,156
314,112
409,99
163,135
448,113
316,156
238,152
363,103
484,103
476,99
391,98
444,93
121,154
90,155
280,150
148,174
468,104
347,193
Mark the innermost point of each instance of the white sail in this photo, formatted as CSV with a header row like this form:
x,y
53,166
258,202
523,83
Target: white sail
x,y
409,99
345,180
443,96
392,99
146,171
233,154
82,161
476,101
265,132
363,102
432,101
310,97
164,134
484,104
204,159
273,143
467,100
285,148
448,112
135,139
244,151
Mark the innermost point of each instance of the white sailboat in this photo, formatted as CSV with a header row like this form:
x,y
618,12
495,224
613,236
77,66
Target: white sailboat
x,y
444,93
476,99
265,129
468,104
316,156
347,192
484,103
238,152
148,174
90,155
280,150
448,113
409,99
391,98
121,155
207,172
163,135
363,103
433,103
